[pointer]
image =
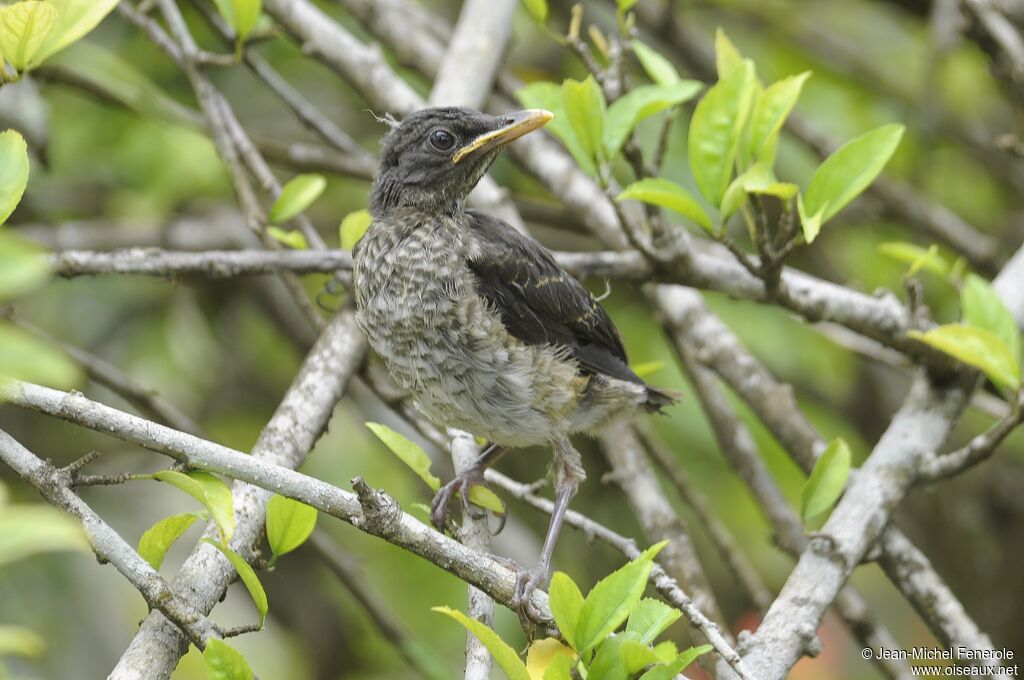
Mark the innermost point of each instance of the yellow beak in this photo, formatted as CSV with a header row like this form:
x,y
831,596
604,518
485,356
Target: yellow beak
x,y
519,124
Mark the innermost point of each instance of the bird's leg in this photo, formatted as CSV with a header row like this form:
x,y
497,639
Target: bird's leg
x,y
462,483
568,474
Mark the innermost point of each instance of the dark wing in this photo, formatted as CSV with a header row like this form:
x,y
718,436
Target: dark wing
x,y
539,302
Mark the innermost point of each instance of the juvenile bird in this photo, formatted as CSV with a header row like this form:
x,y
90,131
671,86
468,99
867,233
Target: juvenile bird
x,y
477,320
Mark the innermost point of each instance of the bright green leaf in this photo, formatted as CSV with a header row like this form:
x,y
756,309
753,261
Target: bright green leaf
x,y
636,656
208,490
612,599
658,68
647,368
292,239
13,171
727,57
665,651
538,9
289,524
24,28
849,171
607,661
977,347
352,228
248,576
566,602
27,530
485,498
297,195
667,194
506,657
770,112
75,18
161,536
757,179
982,308
715,131
650,618
22,266
673,668
241,15
408,452
26,357
223,662
810,223
827,480
917,257
20,641
639,103
559,669
584,106
543,654
545,95
625,5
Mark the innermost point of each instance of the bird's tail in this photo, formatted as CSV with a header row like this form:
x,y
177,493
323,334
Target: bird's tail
x,y
659,397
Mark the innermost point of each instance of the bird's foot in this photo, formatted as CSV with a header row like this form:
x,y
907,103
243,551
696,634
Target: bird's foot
x,y
463,482
527,581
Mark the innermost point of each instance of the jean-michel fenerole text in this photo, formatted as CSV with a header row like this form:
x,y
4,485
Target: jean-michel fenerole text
x,y
937,653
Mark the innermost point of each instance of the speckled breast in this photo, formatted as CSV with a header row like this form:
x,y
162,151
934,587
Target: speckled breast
x,y
416,301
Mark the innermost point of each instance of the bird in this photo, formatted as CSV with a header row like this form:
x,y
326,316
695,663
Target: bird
x,y
477,320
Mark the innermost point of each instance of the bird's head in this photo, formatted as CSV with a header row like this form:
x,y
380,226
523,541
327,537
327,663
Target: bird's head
x,y
434,158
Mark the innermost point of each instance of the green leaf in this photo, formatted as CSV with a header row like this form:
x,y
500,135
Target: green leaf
x,y
727,57
75,18
827,480
977,347
506,657
566,602
292,239
658,68
647,368
352,228
584,106
20,641
296,195
650,618
610,602
544,95
810,223
13,171
625,5
667,194
27,530
642,102
607,661
636,656
543,654
849,171
223,662
24,29
982,308
248,576
208,490
485,498
289,524
538,9
161,536
666,651
559,669
408,452
241,15
715,131
673,668
917,257
758,179
22,266
770,112
26,357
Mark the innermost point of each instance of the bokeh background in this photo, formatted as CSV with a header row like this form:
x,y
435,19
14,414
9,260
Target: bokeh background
x,y
105,176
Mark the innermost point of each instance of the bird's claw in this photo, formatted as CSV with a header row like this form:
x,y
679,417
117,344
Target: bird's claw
x,y
527,581
439,510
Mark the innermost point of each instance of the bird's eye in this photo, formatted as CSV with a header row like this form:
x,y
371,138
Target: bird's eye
x,y
442,140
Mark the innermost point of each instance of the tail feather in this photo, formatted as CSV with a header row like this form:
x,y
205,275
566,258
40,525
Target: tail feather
x,y
659,397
